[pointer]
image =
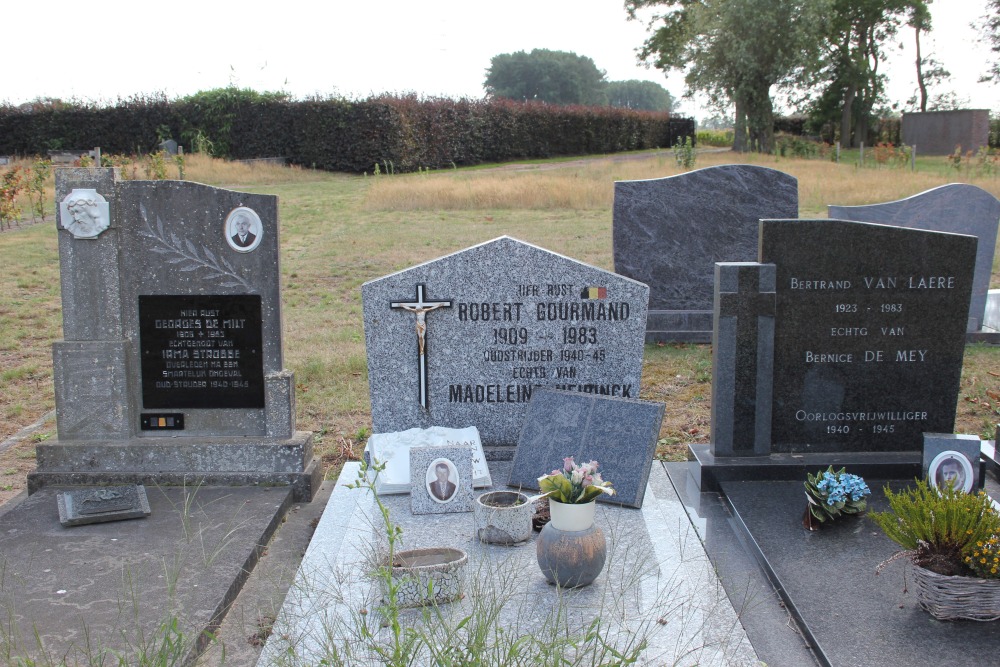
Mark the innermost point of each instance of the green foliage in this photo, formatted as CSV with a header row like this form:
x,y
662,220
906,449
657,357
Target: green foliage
x,y
724,52
39,173
717,138
156,166
350,136
942,527
989,34
556,77
640,95
684,153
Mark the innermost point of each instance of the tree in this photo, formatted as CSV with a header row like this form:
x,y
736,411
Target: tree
x,y
856,33
989,31
556,77
636,94
736,51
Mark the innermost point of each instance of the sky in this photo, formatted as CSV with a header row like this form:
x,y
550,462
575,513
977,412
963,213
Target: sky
x,y
104,50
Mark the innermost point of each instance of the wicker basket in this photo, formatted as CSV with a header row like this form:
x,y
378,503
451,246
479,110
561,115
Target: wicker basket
x,y
957,598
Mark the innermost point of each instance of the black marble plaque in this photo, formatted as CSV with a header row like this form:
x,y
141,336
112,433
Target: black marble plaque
x,y
201,351
101,504
869,333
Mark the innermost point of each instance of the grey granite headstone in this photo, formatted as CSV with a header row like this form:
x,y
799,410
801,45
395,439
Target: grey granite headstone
x,y
101,504
169,146
670,232
440,480
619,434
743,358
171,368
956,208
869,333
467,338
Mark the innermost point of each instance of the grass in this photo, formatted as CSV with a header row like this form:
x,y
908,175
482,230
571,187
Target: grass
x,y
339,231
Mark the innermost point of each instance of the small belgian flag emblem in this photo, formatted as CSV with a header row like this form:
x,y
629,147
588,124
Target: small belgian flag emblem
x,y
594,293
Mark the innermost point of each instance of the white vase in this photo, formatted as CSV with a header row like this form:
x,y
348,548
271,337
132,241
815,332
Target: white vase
x,y
572,516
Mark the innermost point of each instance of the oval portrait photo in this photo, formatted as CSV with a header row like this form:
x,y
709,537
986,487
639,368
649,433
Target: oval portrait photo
x,y
244,229
442,480
951,467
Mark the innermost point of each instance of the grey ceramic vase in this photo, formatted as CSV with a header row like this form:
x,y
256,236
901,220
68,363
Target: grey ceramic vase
x,y
571,559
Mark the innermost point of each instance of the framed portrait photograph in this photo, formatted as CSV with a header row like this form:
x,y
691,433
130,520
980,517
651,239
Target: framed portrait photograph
x,y
952,460
440,479
244,230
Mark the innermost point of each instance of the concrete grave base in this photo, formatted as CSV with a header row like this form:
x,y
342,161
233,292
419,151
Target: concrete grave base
x,y
679,326
227,461
71,595
657,586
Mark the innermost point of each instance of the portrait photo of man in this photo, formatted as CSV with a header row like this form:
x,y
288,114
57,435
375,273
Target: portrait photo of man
x,y
951,468
243,229
442,480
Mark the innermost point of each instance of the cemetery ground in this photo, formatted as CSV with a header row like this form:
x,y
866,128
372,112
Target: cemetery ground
x,y
340,231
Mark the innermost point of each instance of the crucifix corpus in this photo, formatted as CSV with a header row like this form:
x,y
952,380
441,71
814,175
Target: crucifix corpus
x,y
420,308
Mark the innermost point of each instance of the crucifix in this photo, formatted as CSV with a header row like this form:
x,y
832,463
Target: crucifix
x,y
420,308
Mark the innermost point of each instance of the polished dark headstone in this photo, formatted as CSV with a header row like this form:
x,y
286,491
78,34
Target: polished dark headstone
x,y
742,359
670,232
869,333
102,504
619,434
957,208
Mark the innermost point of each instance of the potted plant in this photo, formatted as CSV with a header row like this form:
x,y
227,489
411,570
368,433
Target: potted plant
x,y
571,549
953,541
833,494
503,517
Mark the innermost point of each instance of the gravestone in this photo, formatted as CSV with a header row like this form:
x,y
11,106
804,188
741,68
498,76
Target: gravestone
x,y
619,434
868,336
670,232
449,492
99,505
956,208
465,339
171,368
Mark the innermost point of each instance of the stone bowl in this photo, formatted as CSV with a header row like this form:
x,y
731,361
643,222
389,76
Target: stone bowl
x,y
428,576
503,517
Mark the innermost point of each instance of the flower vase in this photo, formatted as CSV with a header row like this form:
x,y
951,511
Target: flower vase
x,y
571,549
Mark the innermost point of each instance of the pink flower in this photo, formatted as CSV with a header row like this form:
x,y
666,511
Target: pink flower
x,y
568,464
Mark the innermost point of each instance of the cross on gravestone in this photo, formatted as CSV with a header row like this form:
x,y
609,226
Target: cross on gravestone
x,y
743,358
420,308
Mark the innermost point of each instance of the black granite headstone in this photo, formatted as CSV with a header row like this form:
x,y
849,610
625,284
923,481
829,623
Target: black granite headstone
x,y
869,333
620,434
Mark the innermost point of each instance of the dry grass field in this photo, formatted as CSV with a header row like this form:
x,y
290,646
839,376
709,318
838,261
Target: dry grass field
x,y
338,231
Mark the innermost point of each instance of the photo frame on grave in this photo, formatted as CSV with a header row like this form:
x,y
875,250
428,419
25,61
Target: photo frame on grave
x,y
952,458
440,480
243,229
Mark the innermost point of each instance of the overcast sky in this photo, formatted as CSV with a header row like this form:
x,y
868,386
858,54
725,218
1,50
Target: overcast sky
x,y
106,49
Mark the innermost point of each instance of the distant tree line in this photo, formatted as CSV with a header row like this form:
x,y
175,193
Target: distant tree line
x,y
398,133
825,56
563,77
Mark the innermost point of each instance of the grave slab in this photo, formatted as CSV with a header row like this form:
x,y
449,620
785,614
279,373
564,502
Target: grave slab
x,y
850,615
670,232
957,208
657,584
103,587
466,338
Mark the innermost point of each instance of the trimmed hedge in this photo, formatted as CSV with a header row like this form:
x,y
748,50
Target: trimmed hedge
x,y
398,133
